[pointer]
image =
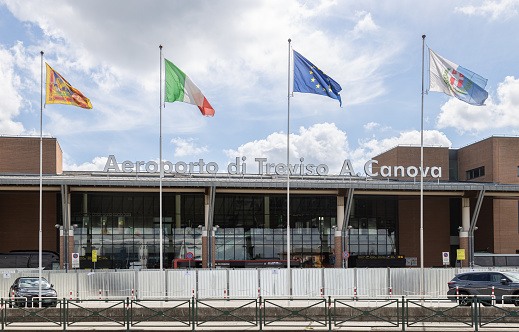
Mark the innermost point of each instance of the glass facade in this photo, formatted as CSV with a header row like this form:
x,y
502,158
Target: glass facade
x,y
254,227
374,225
124,227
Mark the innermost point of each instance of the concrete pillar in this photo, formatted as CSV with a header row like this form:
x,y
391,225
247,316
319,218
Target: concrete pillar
x,y
62,244
464,231
70,247
61,247
204,248
213,250
337,243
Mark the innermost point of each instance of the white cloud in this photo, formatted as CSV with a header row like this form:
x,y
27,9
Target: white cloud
x,y
321,143
503,9
116,53
502,113
374,147
10,86
187,147
365,23
325,143
371,126
97,164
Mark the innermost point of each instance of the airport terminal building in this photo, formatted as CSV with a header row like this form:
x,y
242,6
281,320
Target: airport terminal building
x,y
226,217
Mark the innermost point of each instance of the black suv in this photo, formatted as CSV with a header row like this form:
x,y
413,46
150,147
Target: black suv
x,y
480,283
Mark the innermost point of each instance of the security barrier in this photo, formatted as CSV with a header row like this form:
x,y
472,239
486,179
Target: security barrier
x,y
191,314
204,283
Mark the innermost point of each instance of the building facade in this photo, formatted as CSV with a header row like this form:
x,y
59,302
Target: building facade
x,y
233,219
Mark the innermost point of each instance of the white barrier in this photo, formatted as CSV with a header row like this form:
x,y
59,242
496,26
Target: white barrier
x,y
248,283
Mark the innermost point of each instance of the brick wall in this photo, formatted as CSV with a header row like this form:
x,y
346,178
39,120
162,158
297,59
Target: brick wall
x,y
436,228
21,155
19,214
475,156
506,234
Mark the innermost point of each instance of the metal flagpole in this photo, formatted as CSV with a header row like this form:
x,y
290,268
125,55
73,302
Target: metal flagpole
x,y
160,162
421,179
40,237
289,279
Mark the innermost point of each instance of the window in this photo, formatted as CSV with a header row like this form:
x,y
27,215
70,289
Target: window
x,y
476,173
496,277
481,277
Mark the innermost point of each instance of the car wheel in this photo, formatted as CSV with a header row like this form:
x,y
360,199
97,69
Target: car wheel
x,y
464,299
515,299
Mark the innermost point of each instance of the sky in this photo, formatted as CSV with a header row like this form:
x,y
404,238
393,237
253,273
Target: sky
x,y
237,54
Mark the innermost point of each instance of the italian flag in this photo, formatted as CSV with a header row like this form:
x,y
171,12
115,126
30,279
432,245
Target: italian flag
x,y
179,87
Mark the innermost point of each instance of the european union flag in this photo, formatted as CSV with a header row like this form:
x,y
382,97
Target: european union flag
x,y
310,79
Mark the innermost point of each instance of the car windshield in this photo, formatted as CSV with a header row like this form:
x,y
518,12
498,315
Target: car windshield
x,y
512,276
33,283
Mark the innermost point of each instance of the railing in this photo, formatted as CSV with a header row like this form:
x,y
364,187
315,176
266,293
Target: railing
x,y
396,313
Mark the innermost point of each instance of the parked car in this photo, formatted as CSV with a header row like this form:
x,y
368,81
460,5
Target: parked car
x,y
26,289
480,283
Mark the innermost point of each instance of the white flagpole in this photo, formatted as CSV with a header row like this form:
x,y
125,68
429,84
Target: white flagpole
x,y
289,279
160,163
421,179
40,237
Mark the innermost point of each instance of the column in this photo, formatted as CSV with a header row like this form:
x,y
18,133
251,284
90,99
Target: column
x,y
70,246
61,246
205,245
70,232
337,243
213,250
464,230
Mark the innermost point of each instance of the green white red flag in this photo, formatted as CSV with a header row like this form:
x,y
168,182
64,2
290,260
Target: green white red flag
x,y
179,87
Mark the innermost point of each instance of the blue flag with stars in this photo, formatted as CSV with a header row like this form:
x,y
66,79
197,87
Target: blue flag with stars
x,y
310,79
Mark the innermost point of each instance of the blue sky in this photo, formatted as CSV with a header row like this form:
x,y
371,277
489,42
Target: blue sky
x,y
237,53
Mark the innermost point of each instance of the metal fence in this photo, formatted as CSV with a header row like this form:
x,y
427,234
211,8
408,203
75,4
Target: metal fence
x,y
398,313
248,283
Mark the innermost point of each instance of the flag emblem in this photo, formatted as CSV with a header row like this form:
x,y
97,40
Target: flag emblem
x,y
454,80
59,91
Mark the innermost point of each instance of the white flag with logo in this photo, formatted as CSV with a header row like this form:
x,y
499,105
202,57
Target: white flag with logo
x,y
447,77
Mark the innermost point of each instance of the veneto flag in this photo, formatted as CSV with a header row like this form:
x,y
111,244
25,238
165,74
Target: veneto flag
x,y
179,87
59,91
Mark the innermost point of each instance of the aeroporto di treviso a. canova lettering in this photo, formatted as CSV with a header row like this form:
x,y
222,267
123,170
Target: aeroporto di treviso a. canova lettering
x,y
239,166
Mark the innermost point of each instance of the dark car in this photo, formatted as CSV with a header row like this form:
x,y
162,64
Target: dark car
x,y
481,283
25,291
